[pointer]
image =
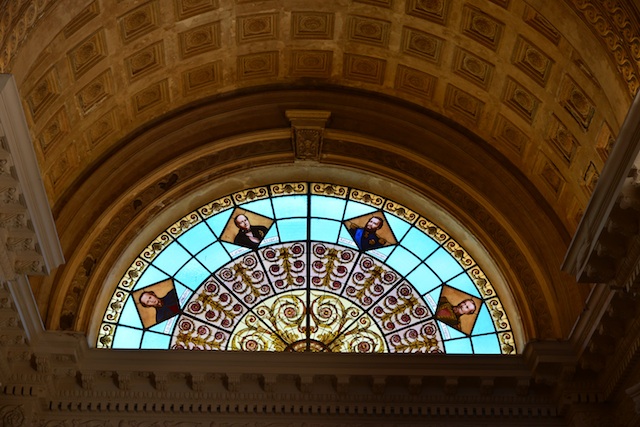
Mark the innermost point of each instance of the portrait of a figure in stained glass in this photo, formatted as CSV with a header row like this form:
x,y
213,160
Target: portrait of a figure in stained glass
x,y
157,303
457,309
246,229
370,231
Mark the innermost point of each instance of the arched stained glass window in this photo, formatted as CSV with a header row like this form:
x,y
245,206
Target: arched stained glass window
x,y
306,267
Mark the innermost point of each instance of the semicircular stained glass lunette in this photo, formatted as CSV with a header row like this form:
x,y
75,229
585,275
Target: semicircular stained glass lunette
x,y
306,267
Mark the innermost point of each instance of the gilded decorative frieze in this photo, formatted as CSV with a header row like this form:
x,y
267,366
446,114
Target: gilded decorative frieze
x,y
614,24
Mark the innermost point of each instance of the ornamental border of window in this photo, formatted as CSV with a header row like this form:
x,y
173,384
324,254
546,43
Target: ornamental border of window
x,y
405,220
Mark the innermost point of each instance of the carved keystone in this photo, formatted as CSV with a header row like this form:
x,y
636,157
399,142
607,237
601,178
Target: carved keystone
x,y
307,132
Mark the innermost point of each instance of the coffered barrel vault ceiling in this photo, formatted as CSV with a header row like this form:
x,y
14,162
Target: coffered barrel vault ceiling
x,y
542,86
516,73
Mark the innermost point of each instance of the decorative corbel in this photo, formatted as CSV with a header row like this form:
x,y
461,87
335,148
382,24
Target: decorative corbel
x,y
306,383
378,384
415,385
123,380
196,381
160,381
307,132
342,383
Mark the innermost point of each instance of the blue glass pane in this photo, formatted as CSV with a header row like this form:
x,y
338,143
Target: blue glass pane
x,y
126,337
459,346
449,332
292,229
129,315
213,257
464,283
346,239
484,324
486,344
234,250
165,327
402,261
262,207
355,209
271,237
219,221
443,264
197,238
150,276
381,253
419,243
172,258
327,207
324,230
398,226
432,299
423,279
290,206
192,274
151,340
183,293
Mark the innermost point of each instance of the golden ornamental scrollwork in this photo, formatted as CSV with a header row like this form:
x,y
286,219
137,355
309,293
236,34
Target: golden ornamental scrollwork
x,y
246,279
195,335
423,338
216,206
366,198
432,230
251,195
507,343
482,283
289,188
184,224
459,254
400,211
252,335
286,264
332,190
132,275
114,309
154,249
105,335
498,315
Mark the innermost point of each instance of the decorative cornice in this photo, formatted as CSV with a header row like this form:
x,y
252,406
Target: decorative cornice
x,y
57,381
